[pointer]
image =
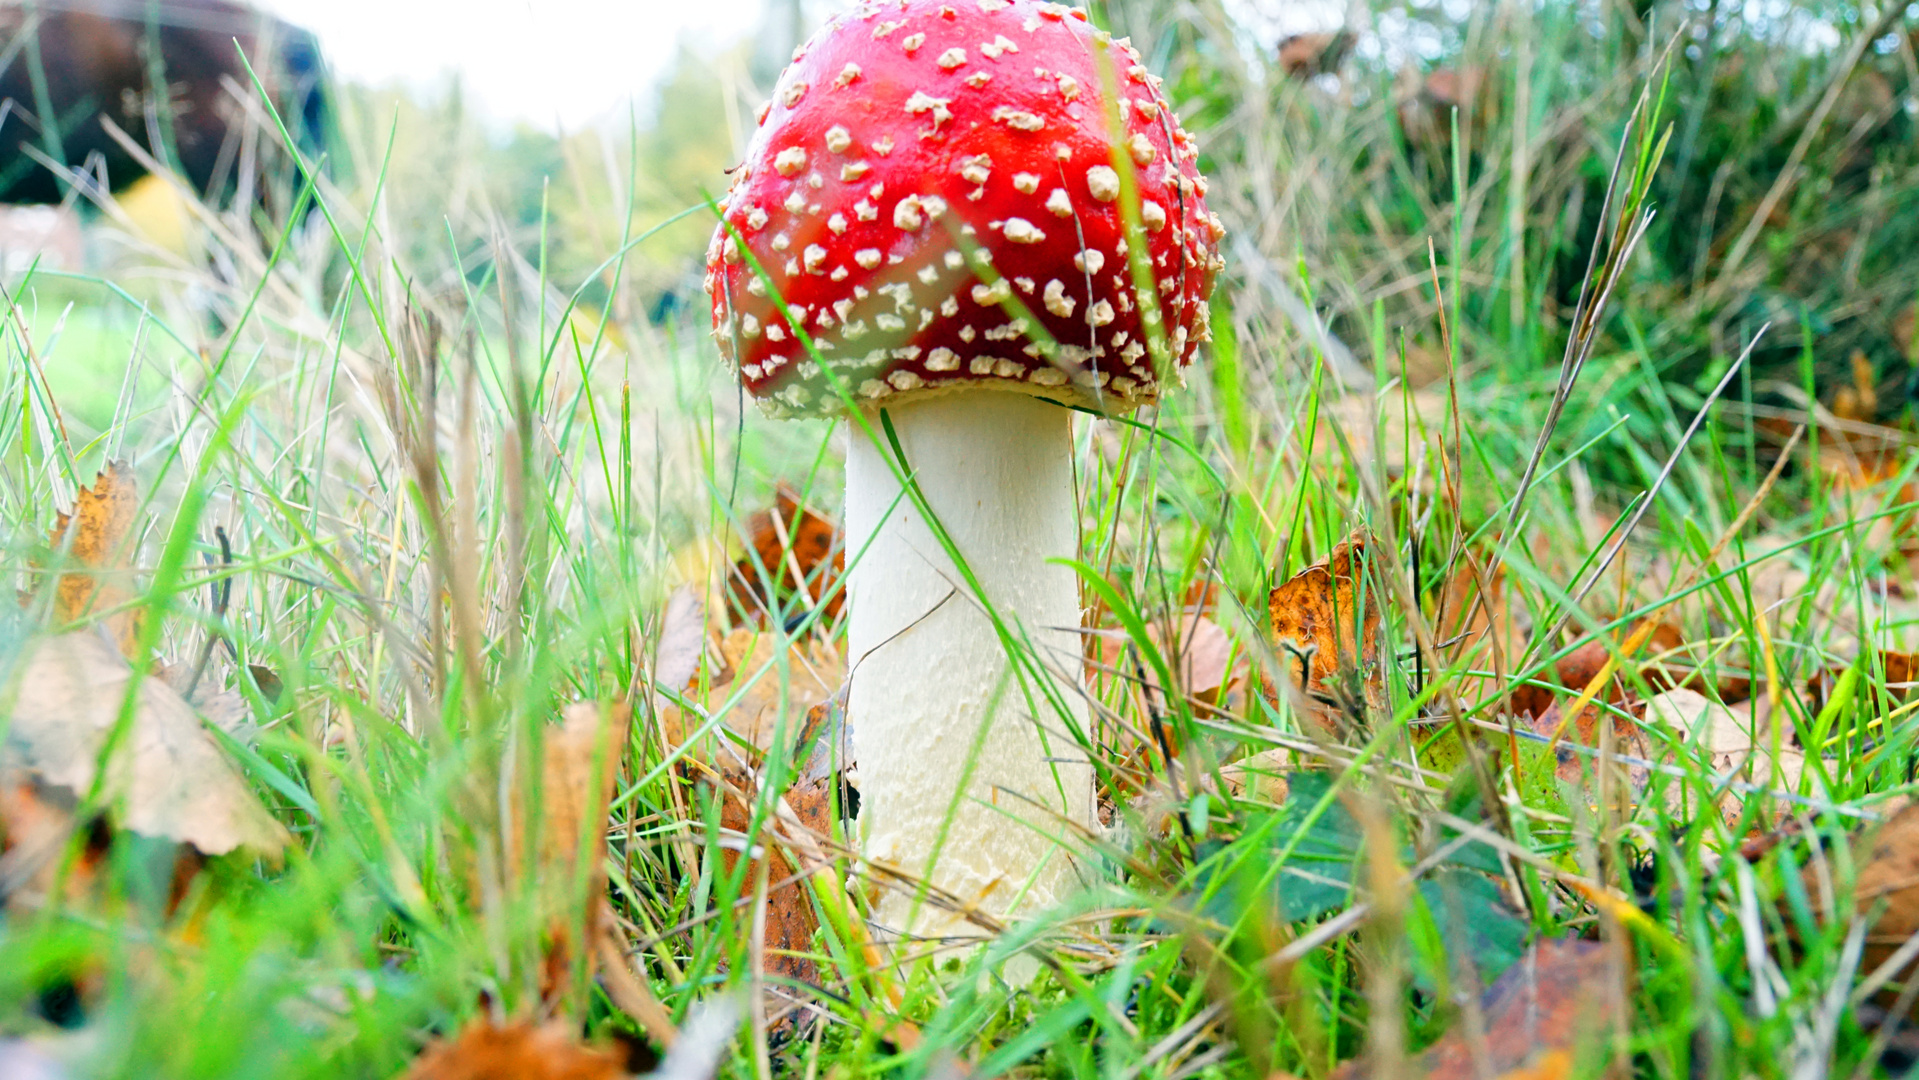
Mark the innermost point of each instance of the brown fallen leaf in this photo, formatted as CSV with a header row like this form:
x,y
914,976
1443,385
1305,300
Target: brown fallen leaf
x,y
95,541
1332,672
169,778
1261,776
1205,666
801,552
682,643
1476,629
1558,1004
814,672
519,1051
1902,678
1887,859
790,919
581,762
1732,740
731,773
1663,662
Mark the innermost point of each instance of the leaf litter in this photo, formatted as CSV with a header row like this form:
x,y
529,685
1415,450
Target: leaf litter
x,y
76,700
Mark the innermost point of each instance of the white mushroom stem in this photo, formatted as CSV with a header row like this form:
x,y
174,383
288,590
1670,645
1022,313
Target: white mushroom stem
x,y
931,683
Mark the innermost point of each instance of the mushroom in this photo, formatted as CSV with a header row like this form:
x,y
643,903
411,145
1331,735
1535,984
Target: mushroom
x,y
980,215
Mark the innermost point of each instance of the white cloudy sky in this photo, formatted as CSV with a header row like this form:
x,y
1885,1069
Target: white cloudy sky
x,y
539,61
573,62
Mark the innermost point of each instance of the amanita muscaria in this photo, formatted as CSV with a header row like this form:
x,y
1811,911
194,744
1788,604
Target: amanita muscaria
x,y
981,213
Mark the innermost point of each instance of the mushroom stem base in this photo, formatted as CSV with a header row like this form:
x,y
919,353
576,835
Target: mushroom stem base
x,y
964,759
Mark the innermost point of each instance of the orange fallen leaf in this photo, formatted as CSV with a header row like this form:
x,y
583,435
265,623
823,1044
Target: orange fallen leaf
x,y
95,539
1328,636
1559,1003
520,1051
791,921
801,552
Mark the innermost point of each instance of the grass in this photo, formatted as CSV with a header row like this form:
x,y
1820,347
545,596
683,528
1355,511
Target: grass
x,y
456,500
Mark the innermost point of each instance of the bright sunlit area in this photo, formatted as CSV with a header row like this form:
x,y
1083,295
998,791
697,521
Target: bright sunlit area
x,y
544,63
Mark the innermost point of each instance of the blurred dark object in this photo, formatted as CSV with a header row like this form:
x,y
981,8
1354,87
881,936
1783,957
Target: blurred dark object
x,y
68,67
1306,56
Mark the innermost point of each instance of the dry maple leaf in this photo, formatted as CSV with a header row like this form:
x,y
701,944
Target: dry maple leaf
x,y
1560,1003
168,776
1333,671
581,762
96,540
803,554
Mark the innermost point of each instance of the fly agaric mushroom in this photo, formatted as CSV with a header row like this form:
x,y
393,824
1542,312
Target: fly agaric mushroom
x,y
976,212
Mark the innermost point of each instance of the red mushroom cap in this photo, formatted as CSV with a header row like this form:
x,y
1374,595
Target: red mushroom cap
x,y
936,191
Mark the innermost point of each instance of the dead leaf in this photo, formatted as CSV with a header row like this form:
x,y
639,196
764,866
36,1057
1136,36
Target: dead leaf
x,y
1559,1003
1261,776
96,541
1314,616
1200,666
35,823
801,552
1305,56
581,762
1477,630
1902,678
1658,664
790,919
1859,402
682,641
1887,858
519,1051
1727,734
169,777
814,672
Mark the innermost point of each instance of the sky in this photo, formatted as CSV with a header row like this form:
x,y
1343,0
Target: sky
x,y
542,62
